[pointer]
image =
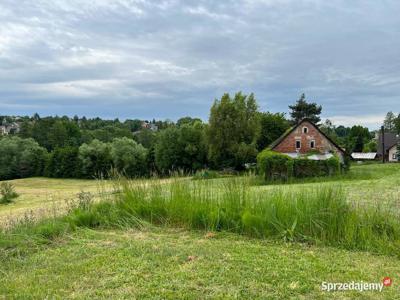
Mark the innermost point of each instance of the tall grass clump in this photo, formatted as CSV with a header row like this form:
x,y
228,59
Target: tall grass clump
x,y
316,215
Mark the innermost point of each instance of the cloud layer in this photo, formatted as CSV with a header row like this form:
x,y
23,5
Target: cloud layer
x,y
166,59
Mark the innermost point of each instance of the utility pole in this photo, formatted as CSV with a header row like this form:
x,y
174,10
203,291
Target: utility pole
x,y
383,144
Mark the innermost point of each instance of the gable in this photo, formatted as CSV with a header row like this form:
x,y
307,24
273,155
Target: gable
x,y
305,134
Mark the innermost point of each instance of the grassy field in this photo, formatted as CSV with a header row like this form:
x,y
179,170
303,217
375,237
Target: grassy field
x,y
43,196
162,262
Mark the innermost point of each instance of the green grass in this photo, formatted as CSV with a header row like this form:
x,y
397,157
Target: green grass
x,y
126,257
43,196
162,263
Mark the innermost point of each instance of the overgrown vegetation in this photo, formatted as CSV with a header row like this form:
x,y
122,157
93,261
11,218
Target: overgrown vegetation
x,y
7,192
274,166
317,216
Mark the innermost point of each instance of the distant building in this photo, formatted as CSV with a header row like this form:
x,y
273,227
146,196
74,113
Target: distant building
x,y
390,150
393,155
150,126
7,129
304,138
364,156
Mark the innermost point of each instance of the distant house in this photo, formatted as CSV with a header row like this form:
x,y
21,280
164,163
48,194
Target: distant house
x,y
304,138
3,130
7,129
150,126
393,155
390,150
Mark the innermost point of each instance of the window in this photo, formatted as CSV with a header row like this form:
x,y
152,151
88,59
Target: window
x,y
298,144
394,156
312,144
305,129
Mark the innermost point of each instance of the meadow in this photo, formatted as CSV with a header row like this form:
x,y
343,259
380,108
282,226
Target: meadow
x,y
185,238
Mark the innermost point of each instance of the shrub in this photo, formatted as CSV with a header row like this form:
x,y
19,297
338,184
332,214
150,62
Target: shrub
x,y
205,174
273,165
95,159
129,157
183,148
7,192
20,158
63,163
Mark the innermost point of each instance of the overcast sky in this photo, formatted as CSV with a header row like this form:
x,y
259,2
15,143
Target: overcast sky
x,y
168,59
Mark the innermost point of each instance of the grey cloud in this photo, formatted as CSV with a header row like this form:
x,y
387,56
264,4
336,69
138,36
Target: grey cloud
x,y
166,59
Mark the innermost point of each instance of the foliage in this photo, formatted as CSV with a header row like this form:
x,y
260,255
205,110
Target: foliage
x,y
181,148
233,131
188,121
390,122
274,165
371,146
108,133
205,174
63,163
302,109
128,157
277,166
7,192
20,158
272,127
95,159
398,152
330,130
321,215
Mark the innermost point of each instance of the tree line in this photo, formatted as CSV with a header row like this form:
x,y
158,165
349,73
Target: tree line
x,y
236,132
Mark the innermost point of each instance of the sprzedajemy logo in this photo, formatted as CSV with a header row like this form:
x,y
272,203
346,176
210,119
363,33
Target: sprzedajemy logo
x,y
360,286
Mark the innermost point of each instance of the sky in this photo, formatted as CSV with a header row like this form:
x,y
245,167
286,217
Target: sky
x,y
170,58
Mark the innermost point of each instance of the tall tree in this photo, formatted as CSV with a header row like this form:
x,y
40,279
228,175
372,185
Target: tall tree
x,y
272,127
398,152
128,157
390,122
181,148
233,131
397,124
302,109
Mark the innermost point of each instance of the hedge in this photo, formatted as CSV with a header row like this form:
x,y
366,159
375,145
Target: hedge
x,y
277,166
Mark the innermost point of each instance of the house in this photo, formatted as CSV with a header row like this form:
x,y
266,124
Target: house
x,y
3,130
150,126
7,129
390,150
306,138
393,155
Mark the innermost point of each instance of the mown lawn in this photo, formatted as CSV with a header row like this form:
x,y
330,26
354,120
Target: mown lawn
x,y
44,196
164,263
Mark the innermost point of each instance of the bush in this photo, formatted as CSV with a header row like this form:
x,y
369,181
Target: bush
x,y
205,174
95,159
63,163
277,166
7,193
183,148
273,165
20,158
129,157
